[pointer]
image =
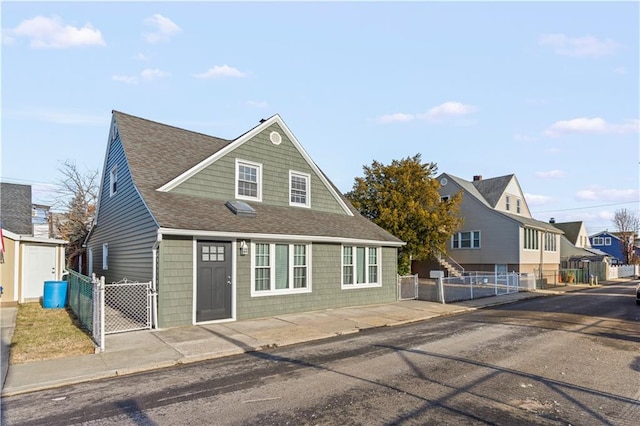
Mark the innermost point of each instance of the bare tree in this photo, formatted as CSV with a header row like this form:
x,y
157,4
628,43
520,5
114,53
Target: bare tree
x,y
77,198
626,224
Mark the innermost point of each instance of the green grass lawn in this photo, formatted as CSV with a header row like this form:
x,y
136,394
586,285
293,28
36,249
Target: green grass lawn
x,y
42,334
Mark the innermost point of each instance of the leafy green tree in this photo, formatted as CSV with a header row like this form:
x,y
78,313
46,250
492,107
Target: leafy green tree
x,y
403,198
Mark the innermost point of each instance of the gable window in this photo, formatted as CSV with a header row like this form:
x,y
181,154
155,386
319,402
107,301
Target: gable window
x,y
508,201
550,242
248,180
607,241
469,239
531,239
105,256
280,269
113,181
360,266
299,189
518,206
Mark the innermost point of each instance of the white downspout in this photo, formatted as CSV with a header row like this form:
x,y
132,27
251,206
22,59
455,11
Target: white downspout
x,y
154,286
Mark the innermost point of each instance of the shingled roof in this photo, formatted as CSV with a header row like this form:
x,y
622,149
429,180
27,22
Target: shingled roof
x,y
157,153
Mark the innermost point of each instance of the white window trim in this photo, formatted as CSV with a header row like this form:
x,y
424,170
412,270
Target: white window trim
x,y
113,181
607,241
105,256
508,203
258,166
367,284
518,206
272,270
459,234
307,178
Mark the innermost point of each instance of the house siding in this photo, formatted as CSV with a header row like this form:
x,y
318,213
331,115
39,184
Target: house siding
x,y
124,223
499,242
326,286
175,282
175,285
218,180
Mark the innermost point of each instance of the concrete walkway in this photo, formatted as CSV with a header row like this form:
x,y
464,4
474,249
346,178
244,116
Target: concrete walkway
x,y
138,351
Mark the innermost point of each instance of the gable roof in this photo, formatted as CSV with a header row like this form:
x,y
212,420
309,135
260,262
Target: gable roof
x,y
493,188
160,156
489,193
605,233
571,230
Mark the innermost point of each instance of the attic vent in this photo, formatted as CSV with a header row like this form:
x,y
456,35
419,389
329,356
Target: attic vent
x,y
275,138
240,208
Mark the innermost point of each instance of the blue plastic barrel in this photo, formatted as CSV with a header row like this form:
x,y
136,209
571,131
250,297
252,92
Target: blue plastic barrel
x,y
55,294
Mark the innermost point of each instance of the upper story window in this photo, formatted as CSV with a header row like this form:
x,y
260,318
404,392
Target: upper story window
x,y
601,241
518,206
469,239
248,180
299,189
113,181
508,203
360,266
531,239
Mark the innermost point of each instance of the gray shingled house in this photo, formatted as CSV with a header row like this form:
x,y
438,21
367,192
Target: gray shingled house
x,y
232,229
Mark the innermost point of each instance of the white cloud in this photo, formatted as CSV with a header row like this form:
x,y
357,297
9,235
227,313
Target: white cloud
x,y
592,125
147,74
551,174
221,71
164,29
129,79
442,111
600,194
524,138
53,33
398,117
578,46
258,104
447,109
142,57
536,200
152,74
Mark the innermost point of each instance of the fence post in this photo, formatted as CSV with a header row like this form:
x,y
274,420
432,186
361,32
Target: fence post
x,y
438,276
102,343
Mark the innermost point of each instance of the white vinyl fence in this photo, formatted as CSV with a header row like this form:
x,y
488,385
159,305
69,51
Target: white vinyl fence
x,y
624,271
474,285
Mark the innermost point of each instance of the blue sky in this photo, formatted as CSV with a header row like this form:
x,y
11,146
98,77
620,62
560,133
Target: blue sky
x,y
546,91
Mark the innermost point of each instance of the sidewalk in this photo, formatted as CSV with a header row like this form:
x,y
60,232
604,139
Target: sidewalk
x,y
138,351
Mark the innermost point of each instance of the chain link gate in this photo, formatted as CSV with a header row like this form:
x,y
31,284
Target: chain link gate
x,y
127,306
407,287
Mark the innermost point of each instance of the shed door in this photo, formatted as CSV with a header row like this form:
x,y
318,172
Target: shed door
x,y
39,266
214,289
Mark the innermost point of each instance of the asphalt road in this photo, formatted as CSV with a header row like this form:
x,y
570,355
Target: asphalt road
x,y
557,360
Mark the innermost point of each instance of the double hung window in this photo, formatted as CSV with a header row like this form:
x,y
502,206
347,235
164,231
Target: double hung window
x,y
280,268
360,266
248,180
299,189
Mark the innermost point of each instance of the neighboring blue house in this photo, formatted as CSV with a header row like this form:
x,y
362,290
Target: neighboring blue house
x,y
610,244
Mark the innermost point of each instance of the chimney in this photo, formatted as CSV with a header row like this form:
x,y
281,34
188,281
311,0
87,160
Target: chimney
x,y
552,220
476,178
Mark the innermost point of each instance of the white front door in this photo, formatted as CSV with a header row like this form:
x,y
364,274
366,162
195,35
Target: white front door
x,y
39,266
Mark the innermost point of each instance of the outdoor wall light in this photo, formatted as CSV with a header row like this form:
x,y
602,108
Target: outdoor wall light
x,y
244,249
